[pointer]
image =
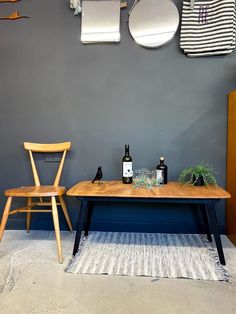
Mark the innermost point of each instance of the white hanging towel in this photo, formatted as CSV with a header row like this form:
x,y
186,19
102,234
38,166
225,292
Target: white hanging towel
x,y
208,27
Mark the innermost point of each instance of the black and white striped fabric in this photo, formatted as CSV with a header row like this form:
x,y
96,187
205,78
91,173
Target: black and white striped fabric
x,y
208,28
148,254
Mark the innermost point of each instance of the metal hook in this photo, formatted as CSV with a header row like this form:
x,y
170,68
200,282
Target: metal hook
x,y
191,4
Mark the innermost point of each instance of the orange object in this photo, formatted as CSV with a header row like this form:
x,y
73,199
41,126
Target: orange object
x,y
231,169
14,16
11,1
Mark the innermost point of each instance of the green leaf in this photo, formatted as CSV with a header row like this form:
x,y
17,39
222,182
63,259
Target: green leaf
x,y
191,174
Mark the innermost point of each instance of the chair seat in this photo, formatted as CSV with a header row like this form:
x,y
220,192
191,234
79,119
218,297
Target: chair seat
x,y
36,191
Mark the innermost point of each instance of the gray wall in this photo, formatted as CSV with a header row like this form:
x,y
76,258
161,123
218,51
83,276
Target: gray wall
x,y
100,97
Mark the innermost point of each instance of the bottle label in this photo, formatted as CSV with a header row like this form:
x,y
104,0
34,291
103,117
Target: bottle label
x,y
160,175
127,169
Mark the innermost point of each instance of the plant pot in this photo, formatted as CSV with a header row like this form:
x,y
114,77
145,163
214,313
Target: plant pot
x,y
199,182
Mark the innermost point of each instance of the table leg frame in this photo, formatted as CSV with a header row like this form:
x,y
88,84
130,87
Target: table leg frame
x,y
89,218
206,221
213,219
207,210
80,224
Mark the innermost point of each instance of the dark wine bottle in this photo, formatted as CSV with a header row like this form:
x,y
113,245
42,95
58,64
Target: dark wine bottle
x,y
127,172
162,171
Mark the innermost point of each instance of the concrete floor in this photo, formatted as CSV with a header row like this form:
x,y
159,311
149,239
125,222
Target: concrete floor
x,y
31,281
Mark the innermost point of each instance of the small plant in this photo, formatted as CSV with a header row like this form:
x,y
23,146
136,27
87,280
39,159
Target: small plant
x,y
201,174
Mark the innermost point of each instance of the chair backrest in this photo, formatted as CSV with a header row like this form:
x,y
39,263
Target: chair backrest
x,y
47,148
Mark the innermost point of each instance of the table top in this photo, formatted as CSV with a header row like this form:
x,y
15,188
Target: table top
x,y
170,190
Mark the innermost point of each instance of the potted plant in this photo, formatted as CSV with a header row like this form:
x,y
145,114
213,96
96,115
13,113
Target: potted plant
x,y
201,174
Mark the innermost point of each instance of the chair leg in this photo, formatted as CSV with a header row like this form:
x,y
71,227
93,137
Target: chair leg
x,y
28,218
63,206
5,216
57,228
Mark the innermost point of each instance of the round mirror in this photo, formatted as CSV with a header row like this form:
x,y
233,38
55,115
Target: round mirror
x,y
153,23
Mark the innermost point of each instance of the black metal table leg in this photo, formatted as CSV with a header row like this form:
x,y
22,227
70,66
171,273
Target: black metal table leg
x,y
89,218
80,224
214,225
206,222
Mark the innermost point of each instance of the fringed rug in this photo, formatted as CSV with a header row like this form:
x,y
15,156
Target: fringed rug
x,y
148,254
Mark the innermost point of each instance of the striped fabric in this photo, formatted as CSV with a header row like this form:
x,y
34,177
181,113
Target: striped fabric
x,y
209,28
148,254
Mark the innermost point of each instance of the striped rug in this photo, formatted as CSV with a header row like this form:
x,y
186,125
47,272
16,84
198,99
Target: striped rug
x,y
148,254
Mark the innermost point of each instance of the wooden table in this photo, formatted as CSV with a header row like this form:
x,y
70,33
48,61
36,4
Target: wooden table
x,y
173,192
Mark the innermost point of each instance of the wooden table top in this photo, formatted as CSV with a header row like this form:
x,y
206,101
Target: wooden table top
x,y
170,190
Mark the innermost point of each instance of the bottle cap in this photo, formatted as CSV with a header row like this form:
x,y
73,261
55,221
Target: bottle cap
x,y
162,158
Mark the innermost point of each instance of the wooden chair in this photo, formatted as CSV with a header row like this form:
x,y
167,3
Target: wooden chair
x,y
40,191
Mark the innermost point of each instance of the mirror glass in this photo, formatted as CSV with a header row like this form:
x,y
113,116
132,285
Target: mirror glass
x,y
100,21
153,23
